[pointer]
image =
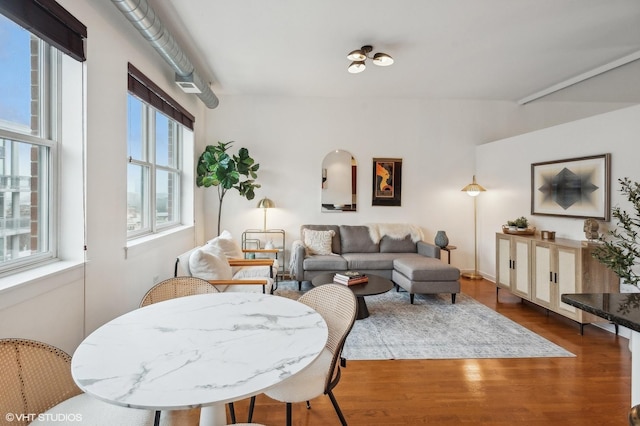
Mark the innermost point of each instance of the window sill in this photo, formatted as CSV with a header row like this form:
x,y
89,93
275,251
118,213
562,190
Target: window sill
x,y
22,286
143,244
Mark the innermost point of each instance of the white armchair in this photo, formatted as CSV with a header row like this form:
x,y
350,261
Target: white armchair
x,y
222,263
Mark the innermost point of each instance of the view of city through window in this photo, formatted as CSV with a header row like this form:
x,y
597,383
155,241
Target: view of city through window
x,y
23,160
153,169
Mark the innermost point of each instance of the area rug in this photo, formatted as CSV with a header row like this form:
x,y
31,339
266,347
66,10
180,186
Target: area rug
x,y
434,328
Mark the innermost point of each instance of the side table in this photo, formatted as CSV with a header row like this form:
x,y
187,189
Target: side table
x,y
255,240
448,249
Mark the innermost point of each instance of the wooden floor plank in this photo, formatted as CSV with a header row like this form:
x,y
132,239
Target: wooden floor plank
x,y
594,388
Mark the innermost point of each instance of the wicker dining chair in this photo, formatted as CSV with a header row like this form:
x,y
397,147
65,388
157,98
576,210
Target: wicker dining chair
x,y
177,287
37,386
337,305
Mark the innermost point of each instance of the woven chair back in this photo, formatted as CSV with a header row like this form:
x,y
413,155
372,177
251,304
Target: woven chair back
x,y
337,306
177,287
34,377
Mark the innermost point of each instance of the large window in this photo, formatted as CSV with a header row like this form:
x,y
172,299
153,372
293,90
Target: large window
x,y
153,175
41,100
28,146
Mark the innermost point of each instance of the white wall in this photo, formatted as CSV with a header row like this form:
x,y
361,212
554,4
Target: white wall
x,y
504,169
437,141
291,137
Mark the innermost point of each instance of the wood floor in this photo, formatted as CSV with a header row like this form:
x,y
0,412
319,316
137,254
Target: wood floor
x,y
594,388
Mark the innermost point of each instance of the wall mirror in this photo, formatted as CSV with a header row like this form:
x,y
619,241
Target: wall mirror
x,y
339,182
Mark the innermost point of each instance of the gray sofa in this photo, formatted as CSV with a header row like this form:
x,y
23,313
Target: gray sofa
x,y
378,249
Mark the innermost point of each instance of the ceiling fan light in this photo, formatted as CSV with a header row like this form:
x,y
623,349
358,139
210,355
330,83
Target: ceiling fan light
x,y
382,59
357,55
356,67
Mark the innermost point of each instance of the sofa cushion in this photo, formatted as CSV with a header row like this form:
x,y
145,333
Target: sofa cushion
x,y
369,261
325,263
335,242
418,268
356,239
317,242
393,245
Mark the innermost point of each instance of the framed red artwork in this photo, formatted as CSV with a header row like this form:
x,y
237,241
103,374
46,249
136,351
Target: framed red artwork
x,y
387,182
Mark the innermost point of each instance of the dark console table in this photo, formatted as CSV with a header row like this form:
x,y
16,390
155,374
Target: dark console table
x,y
621,309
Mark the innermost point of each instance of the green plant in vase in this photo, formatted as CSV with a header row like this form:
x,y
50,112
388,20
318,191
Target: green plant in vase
x,y
521,222
620,249
217,168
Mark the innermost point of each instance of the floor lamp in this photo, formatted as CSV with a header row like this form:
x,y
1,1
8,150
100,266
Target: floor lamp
x,y
473,189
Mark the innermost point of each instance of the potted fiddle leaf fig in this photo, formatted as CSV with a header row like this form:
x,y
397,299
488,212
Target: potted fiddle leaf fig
x,y
216,167
620,249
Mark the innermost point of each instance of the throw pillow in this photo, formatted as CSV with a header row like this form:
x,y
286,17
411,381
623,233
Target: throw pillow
x,y
317,242
209,263
228,245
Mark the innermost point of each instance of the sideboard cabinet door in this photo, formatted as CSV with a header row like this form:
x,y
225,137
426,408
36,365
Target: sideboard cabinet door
x,y
513,264
542,282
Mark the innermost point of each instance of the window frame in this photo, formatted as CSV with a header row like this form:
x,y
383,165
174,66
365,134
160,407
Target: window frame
x,y
149,161
47,135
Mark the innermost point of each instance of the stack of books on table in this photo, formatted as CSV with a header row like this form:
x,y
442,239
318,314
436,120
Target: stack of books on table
x,y
350,278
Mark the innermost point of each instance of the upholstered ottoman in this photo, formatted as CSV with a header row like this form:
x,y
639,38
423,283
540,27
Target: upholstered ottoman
x,y
425,275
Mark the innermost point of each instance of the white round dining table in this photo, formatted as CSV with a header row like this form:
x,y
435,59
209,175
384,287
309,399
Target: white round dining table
x,y
198,351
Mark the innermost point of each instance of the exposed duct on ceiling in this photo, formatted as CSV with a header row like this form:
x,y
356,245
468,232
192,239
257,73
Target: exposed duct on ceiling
x,y
145,20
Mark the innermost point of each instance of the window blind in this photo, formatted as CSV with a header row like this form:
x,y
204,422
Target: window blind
x,y
49,21
145,89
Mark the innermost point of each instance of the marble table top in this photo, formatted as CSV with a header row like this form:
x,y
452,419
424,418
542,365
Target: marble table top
x,y
198,350
619,308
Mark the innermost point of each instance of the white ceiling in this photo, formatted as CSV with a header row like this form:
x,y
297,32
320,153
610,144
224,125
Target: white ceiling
x,y
443,49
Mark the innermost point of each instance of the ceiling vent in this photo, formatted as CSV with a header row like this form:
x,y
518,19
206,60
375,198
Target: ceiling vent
x,y
185,82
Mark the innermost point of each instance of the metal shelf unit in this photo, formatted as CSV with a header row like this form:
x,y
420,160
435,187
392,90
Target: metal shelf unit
x,y
258,239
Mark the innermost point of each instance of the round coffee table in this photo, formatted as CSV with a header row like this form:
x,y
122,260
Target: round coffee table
x,y
376,285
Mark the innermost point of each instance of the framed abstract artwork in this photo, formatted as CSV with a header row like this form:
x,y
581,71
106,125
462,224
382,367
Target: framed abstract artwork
x,y
387,182
575,187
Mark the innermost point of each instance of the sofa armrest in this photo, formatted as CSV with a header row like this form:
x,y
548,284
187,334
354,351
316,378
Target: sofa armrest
x,y
428,249
298,252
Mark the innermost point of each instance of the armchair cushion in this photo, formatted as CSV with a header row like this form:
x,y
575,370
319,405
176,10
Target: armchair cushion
x,y
228,245
210,263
